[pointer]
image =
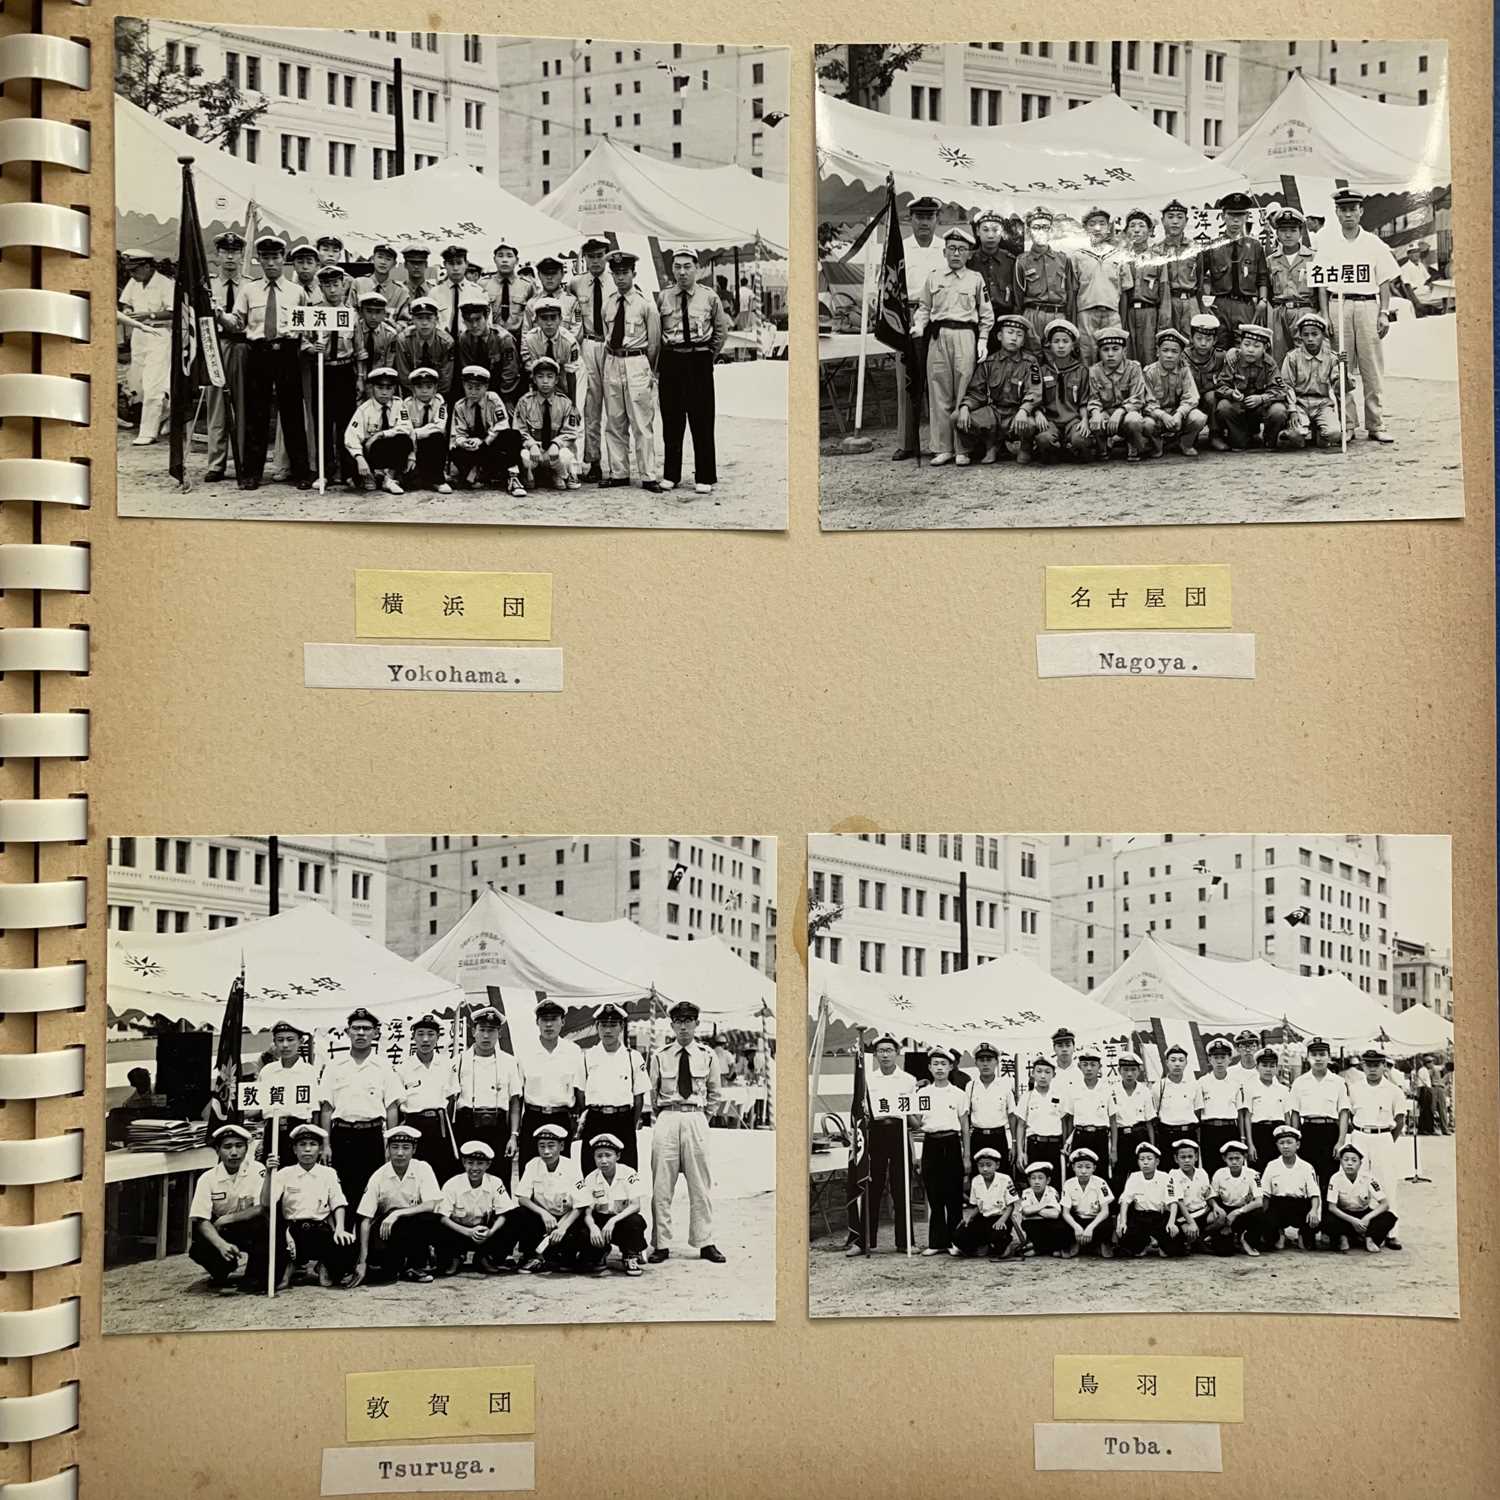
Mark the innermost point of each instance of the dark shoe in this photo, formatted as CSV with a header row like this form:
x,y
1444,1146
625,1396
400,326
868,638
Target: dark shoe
x,y
594,474
713,1253
304,484
213,474
654,487
249,484
1218,445
658,1256
901,453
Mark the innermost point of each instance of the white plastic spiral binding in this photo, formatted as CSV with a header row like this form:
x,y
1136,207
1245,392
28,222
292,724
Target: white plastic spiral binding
x,y
44,818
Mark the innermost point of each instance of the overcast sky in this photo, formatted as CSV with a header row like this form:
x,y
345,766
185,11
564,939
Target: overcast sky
x,y
1421,886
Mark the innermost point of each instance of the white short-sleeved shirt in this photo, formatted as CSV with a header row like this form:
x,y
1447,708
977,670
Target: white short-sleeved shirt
x,y
1042,1113
464,1203
1189,1190
308,1192
218,1192
427,1085
1223,1098
1424,1078
1294,1180
1090,1107
890,1094
1133,1108
1086,1200
554,1190
1366,252
298,1087
1232,1191
1269,1103
1064,1081
1032,1204
487,1082
1319,1098
609,1197
1178,1103
386,1191
1357,1197
613,1079
1375,1106
359,1090
548,1079
940,1107
989,1103
1151,1194
992,1197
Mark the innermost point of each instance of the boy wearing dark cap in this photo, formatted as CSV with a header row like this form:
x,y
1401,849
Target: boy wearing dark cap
x,y
891,1094
375,338
551,1079
590,289
1235,273
945,1125
1269,1102
997,413
1046,283
428,1089
1142,281
684,1092
1320,1111
360,1096
1117,397
1291,293
1252,398
1172,409
1182,279
987,1104
488,1091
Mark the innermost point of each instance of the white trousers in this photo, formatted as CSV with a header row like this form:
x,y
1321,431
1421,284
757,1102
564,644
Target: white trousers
x,y
591,373
1363,350
951,357
1383,1157
629,417
679,1147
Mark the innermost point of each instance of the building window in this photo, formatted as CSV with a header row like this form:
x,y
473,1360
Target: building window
x,y
232,68
1133,57
1421,96
125,853
1035,106
676,150
473,48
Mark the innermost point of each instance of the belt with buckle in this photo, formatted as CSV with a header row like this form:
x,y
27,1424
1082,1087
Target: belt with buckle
x,y
361,1124
953,323
628,353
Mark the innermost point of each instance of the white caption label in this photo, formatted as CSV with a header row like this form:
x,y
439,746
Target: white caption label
x,y
1145,653
453,669
1097,1447
450,1468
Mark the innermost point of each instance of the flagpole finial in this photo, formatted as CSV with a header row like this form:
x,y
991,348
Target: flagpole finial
x,y
186,161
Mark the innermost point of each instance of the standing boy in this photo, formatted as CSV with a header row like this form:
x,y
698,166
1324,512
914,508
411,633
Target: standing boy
x,y
1377,1121
987,1101
428,1089
1291,293
1320,1111
1178,1099
1182,281
1046,283
551,1078
1269,1102
487,1091
1086,1112
891,1095
1039,1119
945,1124
1131,1112
1234,271
1099,267
1144,283
1223,1111
614,1087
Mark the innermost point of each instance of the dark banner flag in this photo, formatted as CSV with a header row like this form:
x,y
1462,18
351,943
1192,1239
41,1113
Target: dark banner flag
x,y
196,360
226,1099
892,325
858,1182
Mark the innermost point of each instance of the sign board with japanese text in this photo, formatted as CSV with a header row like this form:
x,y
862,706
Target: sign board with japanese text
x,y
1148,1388
1165,596
265,1096
412,604
476,1401
315,318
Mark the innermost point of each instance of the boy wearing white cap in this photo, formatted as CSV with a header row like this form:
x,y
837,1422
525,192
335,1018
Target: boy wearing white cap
x,y
992,1205
427,413
428,1088
1359,1212
1086,1111
1205,359
485,448
945,1123
1377,1117
1269,1102
1142,1219
310,1205
1131,1111
954,311
1117,397
1224,1114
1235,1193
226,1221
549,426
1293,1199
606,1211
1087,1206
396,1211
379,435
1253,402
1190,1212
1040,1213
475,1215
614,1088
545,1193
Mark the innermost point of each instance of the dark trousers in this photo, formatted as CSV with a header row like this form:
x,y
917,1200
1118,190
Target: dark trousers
x,y
608,1119
358,1153
312,1239
1319,1137
491,461
1231,312
1426,1117
528,1231
1096,1138
435,1147
1281,1214
1142,1227
1166,1134
248,1235
629,1238
432,460
888,1169
1180,1244
1042,1148
340,397
1046,1235
1377,1231
1211,1137
1103,1233
408,1247
1241,427
283,1137
389,450
943,1180
1127,1138
532,1118
273,383
492,1126
452,1250
1250,1226
979,1232
909,404
685,390
1264,1141
997,1138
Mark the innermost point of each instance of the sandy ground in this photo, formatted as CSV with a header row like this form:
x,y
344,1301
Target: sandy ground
x,y
174,1296
751,493
1420,1280
1420,476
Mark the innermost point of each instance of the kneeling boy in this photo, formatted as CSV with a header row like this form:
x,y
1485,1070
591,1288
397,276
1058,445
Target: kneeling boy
x,y
1142,1220
1358,1209
990,1222
1252,398
1310,373
476,1216
999,406
1191,1215
1087,1205
428,414
485,446
1173,411
606,1212
310,1205
396,1220
1041,1213
1062,428
1235,1192
226,1223
1117,398
378,437
545,1196
549,426
1289,1187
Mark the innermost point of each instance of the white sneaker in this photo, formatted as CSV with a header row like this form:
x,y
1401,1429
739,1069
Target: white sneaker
x,y
669,484
389,485
930,1251
703,489
939,459
962,461
445,488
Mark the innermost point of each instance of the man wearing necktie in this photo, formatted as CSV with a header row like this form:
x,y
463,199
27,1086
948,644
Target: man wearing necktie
x,y
547,338
632,342
427,413
548,423
1236,273
591,289
694,326
226,404
423,342
508,291
684,1092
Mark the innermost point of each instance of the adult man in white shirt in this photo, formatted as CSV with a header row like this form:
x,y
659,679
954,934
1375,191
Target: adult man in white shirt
x,y
226,1221
614,1089
397,1213
147,299
1377,1110
360,1098
923,254
891,1096
1224,1117
428,1088
288,1087
488,1089
551,1080
1320,1111
989,1102
1353,265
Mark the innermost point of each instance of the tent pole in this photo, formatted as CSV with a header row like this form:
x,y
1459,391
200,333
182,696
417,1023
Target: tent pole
x,y
271,1215
815,1054
864,334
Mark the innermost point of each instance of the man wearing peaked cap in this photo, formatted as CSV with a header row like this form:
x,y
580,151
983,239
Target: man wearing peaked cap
x,y
694,327
428,1090
684,1093
359,1097
552,1079
1235,272
487,1082
226,404
954,315
1320,1108
632,343
226,1219
590,289
398,1213
923,253
288,1086
1246,1044
1377,1120
1182,270
615,1079
1046,283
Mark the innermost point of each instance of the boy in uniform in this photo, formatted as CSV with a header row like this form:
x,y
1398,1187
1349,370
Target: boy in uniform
x,y
551,1078
310,1204
1086,1112
694,326
891,1096
1269,1102
1062,429
1065,1070
375,338
550,269
614,1088
1224,1114
1143,282
415,281
1173,410
995,261
509,291
1252,398
545,1197
632,346
487,1089
1039,1213
294,1077
1320,1111
1310,372
684,1093
945,1124
1292,1197
396,1211
992,1199
428,1089
1046,283
1131,1111
1191,1213
1178,1099
1205,361
226,1219
427,413
1000,401
1358,1211
475,1215
546,338
1291,295
1235,1193
987,1101
340,378
590,290
1377,1120
606,1212
226,404
448,293
1182,279
1086,1207
1039,1119
383,258
1117,398
548,423
484,448
1100,269
953,313
1234,271
494,348
378,438
423,343
1247,1044
1144,1205
360,1096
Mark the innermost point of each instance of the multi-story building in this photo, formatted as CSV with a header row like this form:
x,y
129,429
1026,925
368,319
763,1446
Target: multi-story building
x,y
679,886
1421,975
1188,89
699,106
1393,72
901,910
331,95
197,884
1307,904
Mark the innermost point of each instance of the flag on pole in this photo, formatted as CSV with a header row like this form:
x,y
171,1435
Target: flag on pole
x,y
892,325
858,1180
227,1062
195,339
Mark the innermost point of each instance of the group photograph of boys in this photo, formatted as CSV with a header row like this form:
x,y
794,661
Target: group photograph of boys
x,y
524,1154
965,1152
570,312
1152,285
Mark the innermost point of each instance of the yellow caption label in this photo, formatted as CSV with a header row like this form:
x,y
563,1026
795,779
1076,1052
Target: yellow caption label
x,y
1172,596
412,604
1147,1388
391,1405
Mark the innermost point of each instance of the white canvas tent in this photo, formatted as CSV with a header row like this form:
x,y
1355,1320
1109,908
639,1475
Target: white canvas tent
x,y
615,191
305,963
1405,1032
1102,153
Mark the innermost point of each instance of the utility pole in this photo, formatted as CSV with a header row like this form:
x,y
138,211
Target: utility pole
x,y
398,166
273,856
963,919
1116,52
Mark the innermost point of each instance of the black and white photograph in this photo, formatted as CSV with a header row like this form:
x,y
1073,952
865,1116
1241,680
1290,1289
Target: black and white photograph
x,y
362,1081
1116,1073
1179,282
450,277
